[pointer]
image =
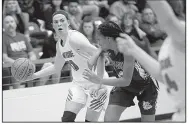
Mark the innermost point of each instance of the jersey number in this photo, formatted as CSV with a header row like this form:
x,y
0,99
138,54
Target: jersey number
x,y
73,65
171,84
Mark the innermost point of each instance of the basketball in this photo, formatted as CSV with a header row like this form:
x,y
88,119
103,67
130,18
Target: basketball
x,y
22,68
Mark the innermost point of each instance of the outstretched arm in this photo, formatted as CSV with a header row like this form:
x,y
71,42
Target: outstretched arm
x,y
120,82
55,68
127,46
168,20
150,64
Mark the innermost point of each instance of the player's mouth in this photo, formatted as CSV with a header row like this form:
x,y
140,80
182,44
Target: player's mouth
x,y
60,29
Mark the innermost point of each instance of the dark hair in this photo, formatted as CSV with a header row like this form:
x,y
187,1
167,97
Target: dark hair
x,y
89,19
61,12
69,1
110,29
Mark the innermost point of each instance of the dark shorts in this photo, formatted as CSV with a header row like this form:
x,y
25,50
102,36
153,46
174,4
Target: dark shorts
x,y
147,98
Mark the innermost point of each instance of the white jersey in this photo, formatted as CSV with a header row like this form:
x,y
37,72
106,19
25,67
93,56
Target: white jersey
x,y
76,58
173,70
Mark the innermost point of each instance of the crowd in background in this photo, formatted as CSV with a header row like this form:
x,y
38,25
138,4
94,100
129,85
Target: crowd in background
x,y
27,26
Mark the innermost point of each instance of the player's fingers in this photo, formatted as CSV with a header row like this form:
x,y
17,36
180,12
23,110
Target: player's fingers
x,y
86,77
89,72
86,70
123,35
85,74
120,41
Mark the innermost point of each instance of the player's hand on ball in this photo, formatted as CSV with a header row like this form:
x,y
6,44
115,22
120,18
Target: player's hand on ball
x,y
91,76
125,44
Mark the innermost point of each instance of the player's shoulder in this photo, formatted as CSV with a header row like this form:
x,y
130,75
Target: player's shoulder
x,y
75,33
77,37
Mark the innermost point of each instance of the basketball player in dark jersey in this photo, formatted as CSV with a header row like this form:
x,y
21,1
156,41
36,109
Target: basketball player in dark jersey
x,y
140,84
170,66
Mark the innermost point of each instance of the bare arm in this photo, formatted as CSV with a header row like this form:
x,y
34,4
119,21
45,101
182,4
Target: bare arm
x,y
101,68
128,68
151,65
55,68
168,21
127,46
120,82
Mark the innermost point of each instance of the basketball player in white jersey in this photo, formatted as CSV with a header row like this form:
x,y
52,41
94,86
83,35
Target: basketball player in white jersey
x,y
170,67
74,48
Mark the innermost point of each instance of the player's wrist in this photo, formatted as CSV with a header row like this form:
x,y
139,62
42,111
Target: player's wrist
x,y
135,50
99,81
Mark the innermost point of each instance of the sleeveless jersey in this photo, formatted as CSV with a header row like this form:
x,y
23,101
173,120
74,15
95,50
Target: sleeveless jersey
x,y
74,57
140,78
172,63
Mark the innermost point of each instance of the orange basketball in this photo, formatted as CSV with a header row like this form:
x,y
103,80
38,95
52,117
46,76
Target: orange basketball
x,y
22,69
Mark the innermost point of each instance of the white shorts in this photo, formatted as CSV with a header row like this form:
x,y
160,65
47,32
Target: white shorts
x,y
81,95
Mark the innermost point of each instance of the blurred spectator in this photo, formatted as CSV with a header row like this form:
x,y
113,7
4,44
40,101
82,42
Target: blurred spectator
x,y
15,45
151,27
11,7
76,12
49,51
34,8
178,8
49,47
37,35
113,18
27,7
120,7
110,2
141,4
131,27
88,28
55,5
98,21
102,4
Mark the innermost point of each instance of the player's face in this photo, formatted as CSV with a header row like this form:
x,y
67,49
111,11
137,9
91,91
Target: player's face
x,y
60,24
57,2
105,42
9,24
12,5
148,15
88,28
73,7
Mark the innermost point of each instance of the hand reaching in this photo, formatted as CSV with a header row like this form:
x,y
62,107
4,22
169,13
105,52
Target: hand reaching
x,y
91,76
125,44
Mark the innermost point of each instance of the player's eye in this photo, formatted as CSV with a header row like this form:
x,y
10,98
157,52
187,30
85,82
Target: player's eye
x,y
62,20
55,22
